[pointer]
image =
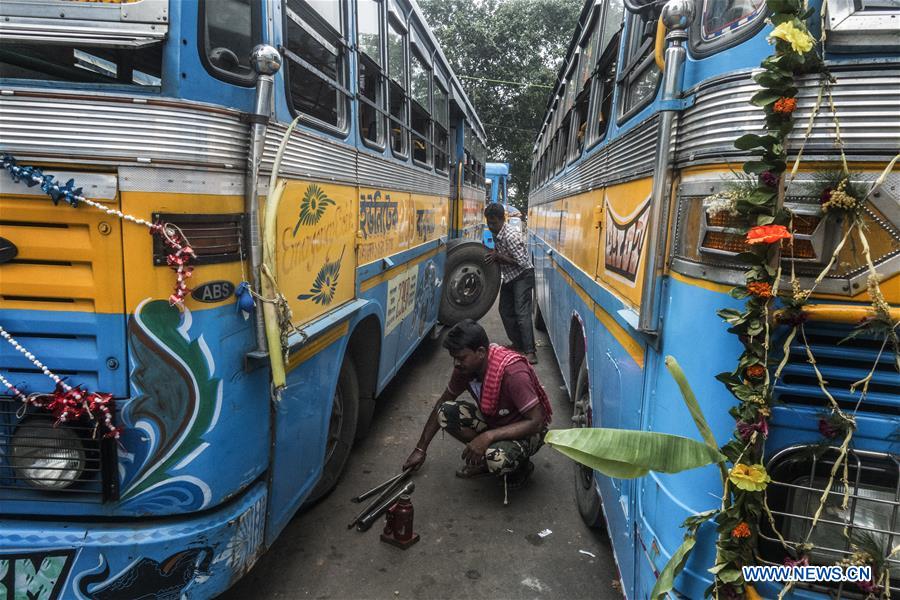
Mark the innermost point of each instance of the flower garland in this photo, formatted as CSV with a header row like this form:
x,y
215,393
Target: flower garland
x,y
66,403
758,197
179,252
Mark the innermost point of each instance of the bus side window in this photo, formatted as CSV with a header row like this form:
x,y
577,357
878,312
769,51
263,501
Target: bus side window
x,y
420,107
228,34
724,23
397,86
585,81
441,123
608,48
316,61
640,76
371,71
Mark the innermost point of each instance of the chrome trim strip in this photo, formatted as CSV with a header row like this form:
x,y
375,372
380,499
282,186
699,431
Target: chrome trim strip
x,y
179,181
95,186
866,102
103,128
625,159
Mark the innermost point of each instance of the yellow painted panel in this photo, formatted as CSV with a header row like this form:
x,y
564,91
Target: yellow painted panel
x,y
146,280
315,247
80,254
581,233
385,225
428,218
626,216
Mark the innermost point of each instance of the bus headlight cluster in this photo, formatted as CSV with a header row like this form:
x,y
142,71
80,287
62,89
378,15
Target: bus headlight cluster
x,y
49,458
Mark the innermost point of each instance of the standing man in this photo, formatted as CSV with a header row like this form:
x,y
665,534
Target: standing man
x,y
517,274
503,422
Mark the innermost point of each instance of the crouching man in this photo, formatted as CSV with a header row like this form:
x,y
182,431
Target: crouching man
x,y
504,422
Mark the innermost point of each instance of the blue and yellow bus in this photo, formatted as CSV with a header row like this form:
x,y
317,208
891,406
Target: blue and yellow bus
x,y
632,267
497,182
169,117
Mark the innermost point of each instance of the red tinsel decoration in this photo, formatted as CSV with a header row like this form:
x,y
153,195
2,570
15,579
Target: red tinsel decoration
x,y
76,403
179,257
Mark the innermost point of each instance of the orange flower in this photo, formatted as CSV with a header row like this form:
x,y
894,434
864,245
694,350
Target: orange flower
x,y
760,289
767,234
785,106
756,371
741,531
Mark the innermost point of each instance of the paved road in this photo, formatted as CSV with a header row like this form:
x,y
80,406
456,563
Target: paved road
x,y
471,545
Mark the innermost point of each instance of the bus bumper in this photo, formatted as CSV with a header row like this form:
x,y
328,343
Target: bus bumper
x,y
197,556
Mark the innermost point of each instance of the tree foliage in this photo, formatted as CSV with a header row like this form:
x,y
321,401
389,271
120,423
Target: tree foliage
x,y
520,41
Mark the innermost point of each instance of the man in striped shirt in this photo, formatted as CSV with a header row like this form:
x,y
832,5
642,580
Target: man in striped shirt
x,y
517,274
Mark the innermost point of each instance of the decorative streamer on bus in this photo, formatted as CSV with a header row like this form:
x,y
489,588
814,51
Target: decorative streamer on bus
x,y
179,252
66,403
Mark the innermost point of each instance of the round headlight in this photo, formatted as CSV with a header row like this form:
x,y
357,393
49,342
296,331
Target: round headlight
x,y
49,458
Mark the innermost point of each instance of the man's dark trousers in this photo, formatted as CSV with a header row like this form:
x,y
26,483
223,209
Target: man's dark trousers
x,y
515,310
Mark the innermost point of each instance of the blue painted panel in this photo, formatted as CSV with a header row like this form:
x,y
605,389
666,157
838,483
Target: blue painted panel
x,y
193,557
85,348
301,429
191,403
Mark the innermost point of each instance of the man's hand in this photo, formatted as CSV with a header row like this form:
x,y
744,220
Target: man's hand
x,y
490,257
474,451
415,460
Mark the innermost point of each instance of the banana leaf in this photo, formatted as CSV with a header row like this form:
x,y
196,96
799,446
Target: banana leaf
x,y
627,454
690,400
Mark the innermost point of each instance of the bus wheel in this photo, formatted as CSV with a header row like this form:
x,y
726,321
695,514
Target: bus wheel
x,y
586,496
470,285
341,429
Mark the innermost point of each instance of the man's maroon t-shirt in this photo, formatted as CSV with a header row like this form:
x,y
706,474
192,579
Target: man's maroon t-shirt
x,y
517,393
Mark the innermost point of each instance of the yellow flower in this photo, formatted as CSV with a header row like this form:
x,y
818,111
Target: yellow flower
x,y
798,38
752,478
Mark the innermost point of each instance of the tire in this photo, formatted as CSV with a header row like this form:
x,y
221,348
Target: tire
x,y
470,285
341,430
586,497
537,317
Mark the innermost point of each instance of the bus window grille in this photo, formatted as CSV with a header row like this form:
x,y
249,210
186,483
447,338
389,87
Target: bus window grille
x,y
72,467
799,477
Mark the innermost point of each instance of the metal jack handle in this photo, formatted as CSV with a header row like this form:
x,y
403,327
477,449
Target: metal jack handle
x,y
366,522
387,491
381,486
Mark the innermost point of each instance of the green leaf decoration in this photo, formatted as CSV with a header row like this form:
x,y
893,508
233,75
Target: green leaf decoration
x,y
673,568
325,286
628,454
312,206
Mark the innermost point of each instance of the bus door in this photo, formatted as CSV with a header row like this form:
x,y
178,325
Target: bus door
x,y
315,242
624,213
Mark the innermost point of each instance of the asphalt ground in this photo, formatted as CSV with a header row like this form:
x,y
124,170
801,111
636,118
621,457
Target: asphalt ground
x,y
471,546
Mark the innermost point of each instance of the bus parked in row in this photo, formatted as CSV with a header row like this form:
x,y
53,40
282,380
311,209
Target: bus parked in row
x,y
166,455
631,266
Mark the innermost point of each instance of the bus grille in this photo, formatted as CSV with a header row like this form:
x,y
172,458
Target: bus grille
x,y
841,365
872,517
39,459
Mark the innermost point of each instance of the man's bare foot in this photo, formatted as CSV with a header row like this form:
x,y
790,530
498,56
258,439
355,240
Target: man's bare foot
x,y
472,471
532,358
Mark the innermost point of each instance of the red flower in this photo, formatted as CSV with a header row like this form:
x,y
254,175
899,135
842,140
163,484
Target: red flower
x,y
741,531
760,289
755,371
785,106
768,234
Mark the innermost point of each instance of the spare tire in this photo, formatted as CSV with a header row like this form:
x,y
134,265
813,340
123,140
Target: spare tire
x,y
470,285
